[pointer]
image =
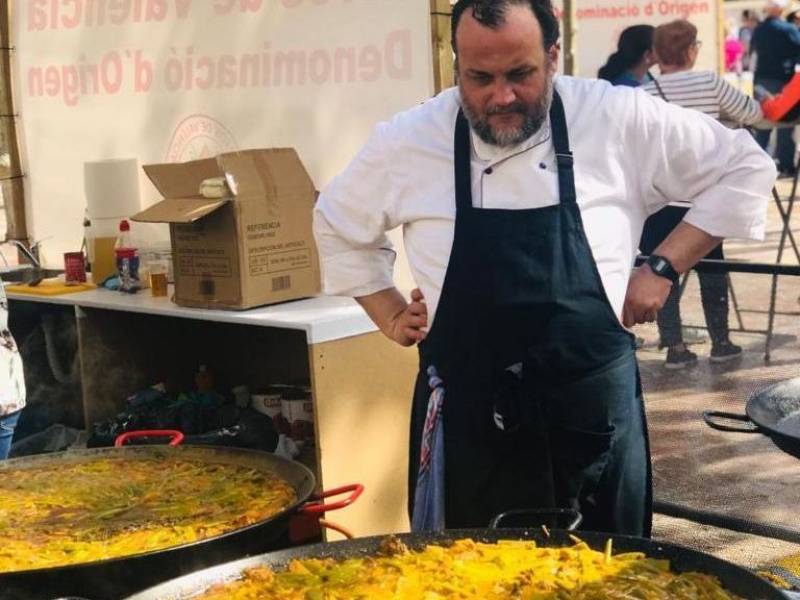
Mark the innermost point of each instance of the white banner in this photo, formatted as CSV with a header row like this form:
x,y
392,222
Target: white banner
x,y
599,23
173,80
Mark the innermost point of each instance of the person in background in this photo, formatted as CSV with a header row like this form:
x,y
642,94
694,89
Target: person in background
x,y
521,195
676,48
634,56
794,18
776,44
734,51
12,380
748,26
629,66
784,105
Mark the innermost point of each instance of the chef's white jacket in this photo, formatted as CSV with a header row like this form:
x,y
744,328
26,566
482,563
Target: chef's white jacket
x,y
633,155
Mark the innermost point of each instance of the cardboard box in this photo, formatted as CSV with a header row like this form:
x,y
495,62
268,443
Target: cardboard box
x,y
254,247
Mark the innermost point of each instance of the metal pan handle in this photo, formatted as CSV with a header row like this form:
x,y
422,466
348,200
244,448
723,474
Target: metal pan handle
x,y
177,436
710,416
336,527
317,507
540,514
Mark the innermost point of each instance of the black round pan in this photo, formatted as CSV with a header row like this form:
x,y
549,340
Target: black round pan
x,y
773,411
114,578
736,579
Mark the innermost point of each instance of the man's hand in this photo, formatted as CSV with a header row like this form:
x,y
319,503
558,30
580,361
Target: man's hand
x,y
400,321
409,326
647,293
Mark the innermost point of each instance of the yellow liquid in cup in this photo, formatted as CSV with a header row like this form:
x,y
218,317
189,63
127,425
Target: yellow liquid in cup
x,y
158,284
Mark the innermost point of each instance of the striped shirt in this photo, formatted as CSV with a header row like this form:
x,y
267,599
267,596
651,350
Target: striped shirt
x,y
708,93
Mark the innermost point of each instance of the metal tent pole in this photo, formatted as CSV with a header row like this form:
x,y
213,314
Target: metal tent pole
x,y
569,38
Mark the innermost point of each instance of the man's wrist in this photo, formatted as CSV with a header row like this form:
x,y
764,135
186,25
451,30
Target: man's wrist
x,y
392,327
662,266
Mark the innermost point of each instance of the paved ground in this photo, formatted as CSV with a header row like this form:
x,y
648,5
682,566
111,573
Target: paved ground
x,y
736,474
745,550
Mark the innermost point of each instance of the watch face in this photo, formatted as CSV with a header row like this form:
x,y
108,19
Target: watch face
x,y
661,264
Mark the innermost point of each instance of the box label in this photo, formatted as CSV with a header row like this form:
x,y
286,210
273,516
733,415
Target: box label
x,y
276,262
195,266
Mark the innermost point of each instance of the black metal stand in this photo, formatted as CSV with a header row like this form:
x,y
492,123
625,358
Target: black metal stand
x,y
733,266
786,236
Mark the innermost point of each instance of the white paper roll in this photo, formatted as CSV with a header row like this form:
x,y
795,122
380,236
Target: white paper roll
x,y
104,227
112,188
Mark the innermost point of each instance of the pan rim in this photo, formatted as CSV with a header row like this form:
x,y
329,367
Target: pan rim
x,y
188,586
769,429
303,491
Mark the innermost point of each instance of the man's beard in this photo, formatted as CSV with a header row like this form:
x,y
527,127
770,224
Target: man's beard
x,y
533,118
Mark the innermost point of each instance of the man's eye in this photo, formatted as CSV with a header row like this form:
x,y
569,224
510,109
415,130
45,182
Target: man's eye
x,y
481,79
519,75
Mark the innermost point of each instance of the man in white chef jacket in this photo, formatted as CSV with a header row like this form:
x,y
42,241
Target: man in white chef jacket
x,y
522,196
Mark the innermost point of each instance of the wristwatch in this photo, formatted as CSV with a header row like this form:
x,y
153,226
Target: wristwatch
x,y
662,267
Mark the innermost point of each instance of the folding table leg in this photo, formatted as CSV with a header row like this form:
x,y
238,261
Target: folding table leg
x,y
786,233
735,302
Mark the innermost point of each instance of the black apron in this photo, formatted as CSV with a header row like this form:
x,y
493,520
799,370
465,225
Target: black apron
x,y
543,404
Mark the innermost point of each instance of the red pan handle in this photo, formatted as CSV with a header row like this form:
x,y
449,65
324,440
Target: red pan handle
x,y
177,436
316,507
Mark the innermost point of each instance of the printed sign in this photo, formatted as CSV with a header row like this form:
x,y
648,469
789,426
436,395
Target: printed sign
x,y
599,23
176,80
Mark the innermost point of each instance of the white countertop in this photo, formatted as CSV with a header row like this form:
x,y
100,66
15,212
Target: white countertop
x,y
324,318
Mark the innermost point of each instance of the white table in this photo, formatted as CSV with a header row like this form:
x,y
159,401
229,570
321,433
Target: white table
x,y
361,383
324,318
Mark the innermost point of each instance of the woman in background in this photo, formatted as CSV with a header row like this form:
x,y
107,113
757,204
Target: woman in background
x,y
734,50
676,48
634,56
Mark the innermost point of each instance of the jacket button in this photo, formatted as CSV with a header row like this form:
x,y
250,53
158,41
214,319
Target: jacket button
x,y
488,170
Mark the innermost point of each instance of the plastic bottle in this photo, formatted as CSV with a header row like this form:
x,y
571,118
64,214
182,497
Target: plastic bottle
x,y
124,235
127,259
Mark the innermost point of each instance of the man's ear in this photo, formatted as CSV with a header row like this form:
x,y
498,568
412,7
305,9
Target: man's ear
x,y
553,53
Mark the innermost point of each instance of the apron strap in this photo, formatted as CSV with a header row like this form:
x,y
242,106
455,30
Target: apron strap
x,y
564,160
463,165
463,160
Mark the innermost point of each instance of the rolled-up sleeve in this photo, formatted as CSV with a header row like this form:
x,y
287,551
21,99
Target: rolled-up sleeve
x,y
688,156
351,219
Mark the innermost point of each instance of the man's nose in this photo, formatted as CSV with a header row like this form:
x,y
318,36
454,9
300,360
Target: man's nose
x,y
503,94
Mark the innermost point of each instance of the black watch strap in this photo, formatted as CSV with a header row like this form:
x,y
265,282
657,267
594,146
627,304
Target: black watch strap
x,y
662,267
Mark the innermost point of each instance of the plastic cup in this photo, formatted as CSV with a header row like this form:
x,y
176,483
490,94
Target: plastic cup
x,y
158,278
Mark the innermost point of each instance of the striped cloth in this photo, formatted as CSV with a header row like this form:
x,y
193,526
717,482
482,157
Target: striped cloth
x,y
428,510
708,93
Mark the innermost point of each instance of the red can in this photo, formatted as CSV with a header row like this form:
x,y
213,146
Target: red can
x,y
74,267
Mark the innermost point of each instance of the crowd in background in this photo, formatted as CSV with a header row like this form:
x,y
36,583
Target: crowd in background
x,y
661,60
739,50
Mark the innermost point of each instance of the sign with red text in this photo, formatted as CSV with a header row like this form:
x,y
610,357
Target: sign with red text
x,y
175,80
599,23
